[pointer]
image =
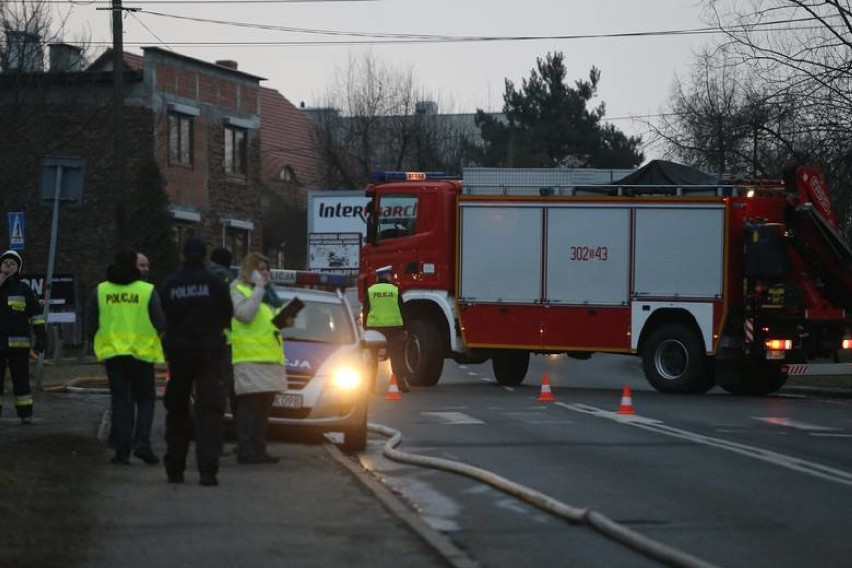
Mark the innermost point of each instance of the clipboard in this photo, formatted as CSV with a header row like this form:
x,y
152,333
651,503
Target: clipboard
x,y
290,310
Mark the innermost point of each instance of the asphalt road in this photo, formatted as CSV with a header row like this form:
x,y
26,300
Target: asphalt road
x,y
734,481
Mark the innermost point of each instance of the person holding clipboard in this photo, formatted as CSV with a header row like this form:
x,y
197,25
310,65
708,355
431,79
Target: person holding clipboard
x,y
257,355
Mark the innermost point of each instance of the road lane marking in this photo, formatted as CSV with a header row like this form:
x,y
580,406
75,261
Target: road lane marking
x,y
783,421
453,417
536,418
775,458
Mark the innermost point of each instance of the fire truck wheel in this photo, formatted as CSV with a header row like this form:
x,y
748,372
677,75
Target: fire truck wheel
x,y
674,360
424,358
510,367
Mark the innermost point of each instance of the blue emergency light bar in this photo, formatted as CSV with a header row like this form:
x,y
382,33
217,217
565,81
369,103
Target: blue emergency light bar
x,y
385,177
307,278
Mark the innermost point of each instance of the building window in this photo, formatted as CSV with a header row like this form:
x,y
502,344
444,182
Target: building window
x,y
238,241
287,174
180,232
180,139
236,151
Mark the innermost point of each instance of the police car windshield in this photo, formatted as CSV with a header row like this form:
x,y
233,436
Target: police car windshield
x,y
321,322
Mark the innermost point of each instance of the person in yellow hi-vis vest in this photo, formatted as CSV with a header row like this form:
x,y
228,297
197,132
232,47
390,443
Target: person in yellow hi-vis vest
x,y
383,311
258,356
125,317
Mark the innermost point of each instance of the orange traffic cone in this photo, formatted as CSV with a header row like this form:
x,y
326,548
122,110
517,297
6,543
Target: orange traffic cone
x,y
626,406
393,389
545,395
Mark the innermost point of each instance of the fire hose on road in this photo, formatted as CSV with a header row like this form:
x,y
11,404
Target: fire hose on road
x,y
576,515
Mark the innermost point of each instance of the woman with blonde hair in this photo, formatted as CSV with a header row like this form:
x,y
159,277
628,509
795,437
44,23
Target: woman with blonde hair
x,y
258,357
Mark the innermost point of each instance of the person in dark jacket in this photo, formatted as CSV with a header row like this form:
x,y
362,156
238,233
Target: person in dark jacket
x,y
20,313
124,317
198,311
220,264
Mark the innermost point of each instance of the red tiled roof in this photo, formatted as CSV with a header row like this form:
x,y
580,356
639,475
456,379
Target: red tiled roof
x,y
287,138
132,62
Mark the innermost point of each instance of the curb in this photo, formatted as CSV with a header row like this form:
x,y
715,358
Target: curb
x,y
448,551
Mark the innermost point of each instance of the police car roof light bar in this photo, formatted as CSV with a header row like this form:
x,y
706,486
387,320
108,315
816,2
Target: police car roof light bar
x,y
308,278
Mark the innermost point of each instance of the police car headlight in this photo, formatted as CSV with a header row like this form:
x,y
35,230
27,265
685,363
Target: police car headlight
x,y
346,378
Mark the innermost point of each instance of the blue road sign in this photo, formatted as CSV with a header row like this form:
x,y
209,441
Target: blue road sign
x,y
17,230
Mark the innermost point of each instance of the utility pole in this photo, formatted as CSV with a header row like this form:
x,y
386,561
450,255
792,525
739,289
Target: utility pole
x,y
118,121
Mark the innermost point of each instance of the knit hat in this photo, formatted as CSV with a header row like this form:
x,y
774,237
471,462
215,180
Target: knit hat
x,y
14,256
194,249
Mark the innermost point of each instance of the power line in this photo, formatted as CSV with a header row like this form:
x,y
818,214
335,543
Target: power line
x,y
141,23
378,38
191,2
296,43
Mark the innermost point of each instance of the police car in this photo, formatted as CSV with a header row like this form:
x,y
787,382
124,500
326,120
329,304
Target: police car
x,y
331,362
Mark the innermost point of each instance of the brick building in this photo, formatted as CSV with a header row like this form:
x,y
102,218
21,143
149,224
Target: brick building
x,y
199,122
206,128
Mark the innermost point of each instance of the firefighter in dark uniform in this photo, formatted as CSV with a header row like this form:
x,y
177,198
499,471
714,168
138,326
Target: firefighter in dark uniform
x,y
383,311
198,312
20,314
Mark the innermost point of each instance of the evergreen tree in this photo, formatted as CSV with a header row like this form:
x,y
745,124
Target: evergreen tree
x,y
548,124
149,225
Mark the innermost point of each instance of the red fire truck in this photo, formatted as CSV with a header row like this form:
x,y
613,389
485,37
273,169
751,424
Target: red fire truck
x,y
732,282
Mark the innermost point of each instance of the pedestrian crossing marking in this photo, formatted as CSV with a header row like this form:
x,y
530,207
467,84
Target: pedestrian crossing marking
x,y
453,417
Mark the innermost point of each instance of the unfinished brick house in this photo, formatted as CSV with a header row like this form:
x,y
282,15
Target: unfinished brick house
x,y
199,122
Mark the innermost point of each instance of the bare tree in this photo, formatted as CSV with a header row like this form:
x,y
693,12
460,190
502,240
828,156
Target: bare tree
x,y
27,26
721,121
375,117
777,87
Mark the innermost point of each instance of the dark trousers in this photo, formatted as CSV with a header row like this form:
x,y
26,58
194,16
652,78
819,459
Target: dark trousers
x,y
252,421
396,351
131,387
18,361
228,371
200,375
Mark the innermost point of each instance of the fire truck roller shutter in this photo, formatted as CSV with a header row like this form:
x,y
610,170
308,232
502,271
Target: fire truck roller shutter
x,y
678,250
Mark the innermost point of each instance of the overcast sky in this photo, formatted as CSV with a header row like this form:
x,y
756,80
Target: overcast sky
x,y
637,72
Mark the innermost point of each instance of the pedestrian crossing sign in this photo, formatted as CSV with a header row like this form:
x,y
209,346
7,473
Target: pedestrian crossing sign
x,y
16,230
